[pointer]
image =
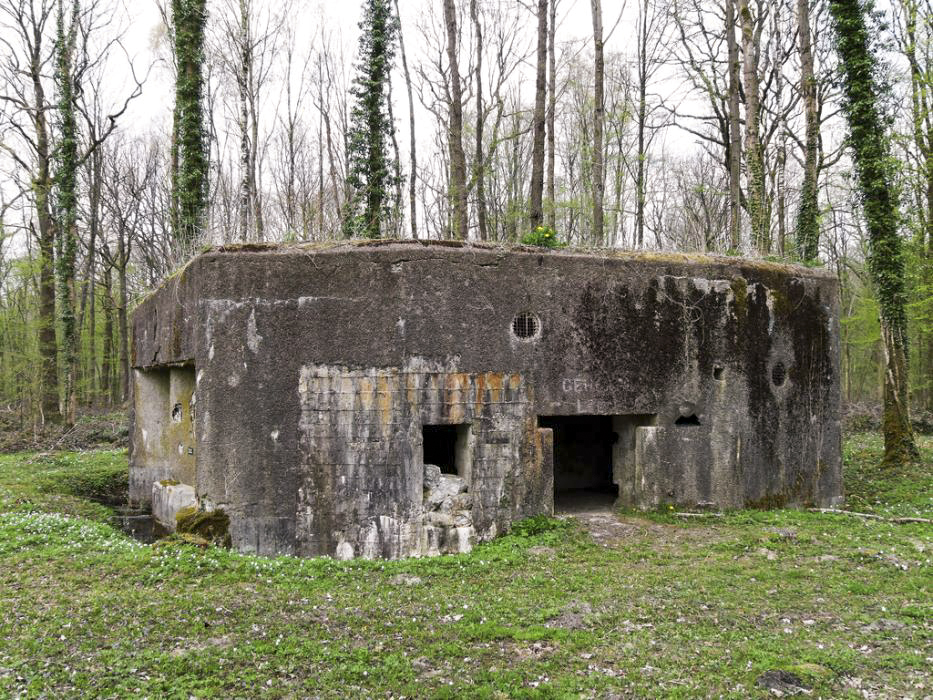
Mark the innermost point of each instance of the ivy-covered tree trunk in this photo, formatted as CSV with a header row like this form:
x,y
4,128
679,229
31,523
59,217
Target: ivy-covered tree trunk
x,y
42,188
879,200
808,214
373,176
189,187
66,177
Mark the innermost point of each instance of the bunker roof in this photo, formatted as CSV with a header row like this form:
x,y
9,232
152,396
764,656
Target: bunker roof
x,y
710,264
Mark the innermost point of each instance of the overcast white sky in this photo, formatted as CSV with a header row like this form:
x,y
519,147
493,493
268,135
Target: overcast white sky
x,y
340,18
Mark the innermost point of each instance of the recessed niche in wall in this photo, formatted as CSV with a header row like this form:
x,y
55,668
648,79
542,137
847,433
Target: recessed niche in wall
x,y
447,447
778,374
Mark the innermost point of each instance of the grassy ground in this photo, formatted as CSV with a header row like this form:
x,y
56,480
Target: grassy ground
x,y
655,609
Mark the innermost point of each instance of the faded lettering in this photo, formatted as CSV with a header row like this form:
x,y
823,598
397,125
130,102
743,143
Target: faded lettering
x,y
575,385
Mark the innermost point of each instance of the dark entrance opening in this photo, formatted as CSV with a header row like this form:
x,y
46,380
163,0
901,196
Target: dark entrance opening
x,y
583,447
445,446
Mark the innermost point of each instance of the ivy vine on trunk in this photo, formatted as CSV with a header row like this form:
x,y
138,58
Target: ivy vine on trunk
x,y
373,175
65,179
873,165
189,151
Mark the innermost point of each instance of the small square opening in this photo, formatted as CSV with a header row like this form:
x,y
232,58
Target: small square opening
x,y
445,446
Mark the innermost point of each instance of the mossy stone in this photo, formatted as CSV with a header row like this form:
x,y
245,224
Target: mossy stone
x,y
213,526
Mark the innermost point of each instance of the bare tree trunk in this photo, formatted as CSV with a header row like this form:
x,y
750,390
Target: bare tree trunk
x,y
397,200
780,184
735,137
551,116
333,166
808,226
122,316
242,78
599,116
90,273
479,166
106,370
537,149
641,123
758,209
320,175
458,193
412,156
91,374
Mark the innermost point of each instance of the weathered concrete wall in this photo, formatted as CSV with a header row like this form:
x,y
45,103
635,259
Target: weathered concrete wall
x,y
163,442
317,368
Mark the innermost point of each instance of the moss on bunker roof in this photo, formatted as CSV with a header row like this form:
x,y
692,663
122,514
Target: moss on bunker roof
x,y
739,265
648,256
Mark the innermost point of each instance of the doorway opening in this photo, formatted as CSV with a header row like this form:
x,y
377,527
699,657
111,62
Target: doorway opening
x,y
583,452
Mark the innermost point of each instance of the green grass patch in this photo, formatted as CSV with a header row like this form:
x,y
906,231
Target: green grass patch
x,y
73,483
670,609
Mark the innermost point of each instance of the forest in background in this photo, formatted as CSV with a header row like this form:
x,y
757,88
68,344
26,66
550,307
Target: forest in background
x,y
684,136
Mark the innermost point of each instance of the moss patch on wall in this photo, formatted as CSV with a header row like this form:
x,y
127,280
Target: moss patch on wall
x,y
213,526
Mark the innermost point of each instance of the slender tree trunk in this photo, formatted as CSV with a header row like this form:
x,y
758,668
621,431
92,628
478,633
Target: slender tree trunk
x,y
42,185
320,175
642,126
106,370
242,78
92,344
90,271
333,167
123,317
191,185
879,201
479,166
808,224
514,187
66,180
255,182
551,116
412,156
780,185
539,121
599,117
397,167
735,136
757,191
458,193
922,108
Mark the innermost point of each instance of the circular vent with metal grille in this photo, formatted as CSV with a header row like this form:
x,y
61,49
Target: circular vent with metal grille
x,y
526,326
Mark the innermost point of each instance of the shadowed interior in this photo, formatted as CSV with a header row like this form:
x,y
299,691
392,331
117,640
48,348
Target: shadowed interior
x,y
582,461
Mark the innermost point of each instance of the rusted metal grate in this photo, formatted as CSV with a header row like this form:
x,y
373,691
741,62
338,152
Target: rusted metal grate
x,y
526,326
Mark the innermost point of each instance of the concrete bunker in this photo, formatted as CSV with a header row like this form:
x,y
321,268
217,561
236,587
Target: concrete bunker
x,y
407,399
